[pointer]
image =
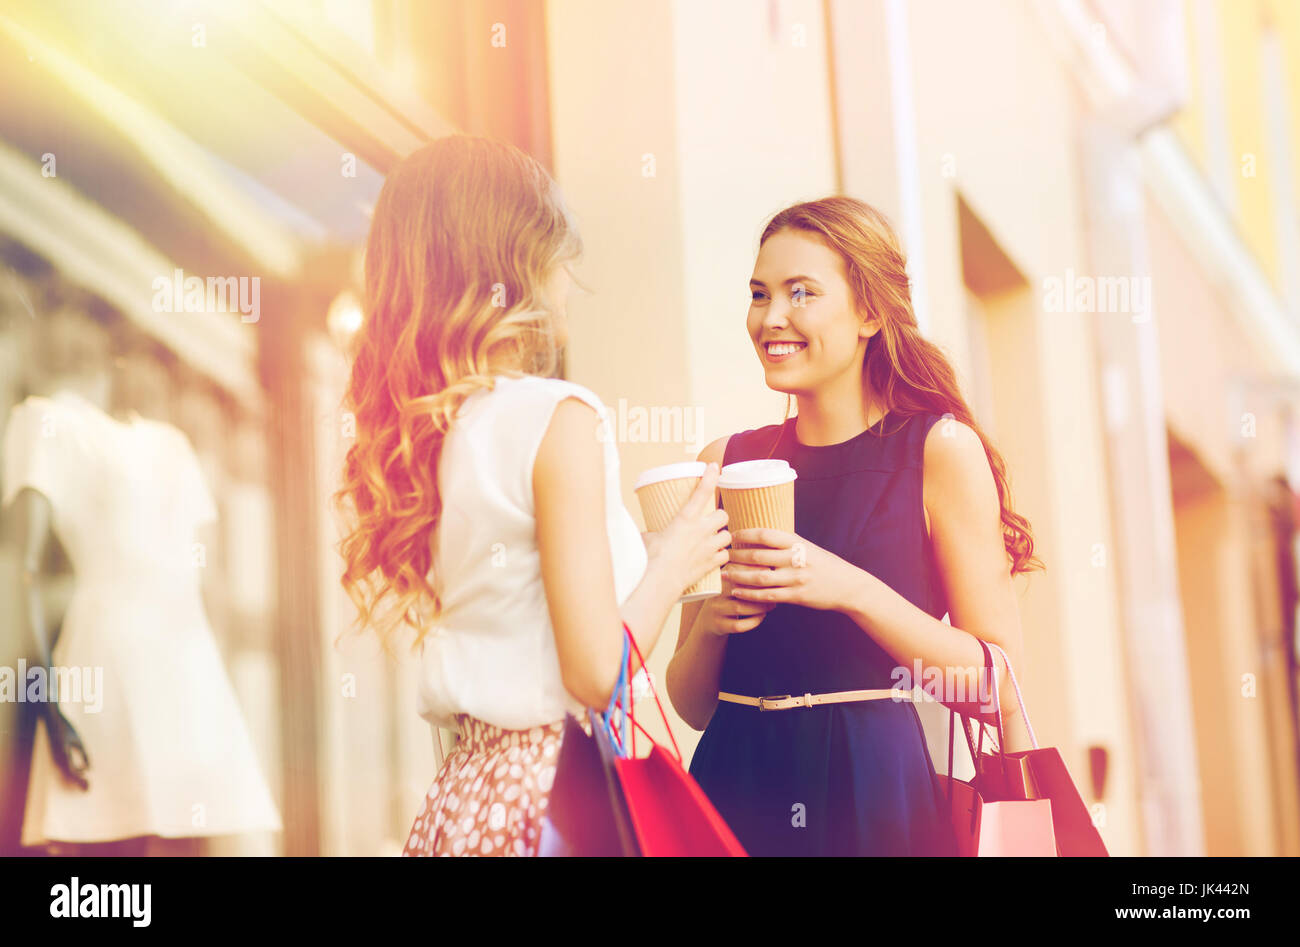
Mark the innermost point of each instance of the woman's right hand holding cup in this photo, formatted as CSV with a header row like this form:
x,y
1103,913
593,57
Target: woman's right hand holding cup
x,y
695,541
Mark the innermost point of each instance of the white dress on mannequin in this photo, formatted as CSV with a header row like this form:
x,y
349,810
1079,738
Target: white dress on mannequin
x,y
170,754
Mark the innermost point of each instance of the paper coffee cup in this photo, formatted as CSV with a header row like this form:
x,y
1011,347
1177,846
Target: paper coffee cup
x,y
758,493
662,491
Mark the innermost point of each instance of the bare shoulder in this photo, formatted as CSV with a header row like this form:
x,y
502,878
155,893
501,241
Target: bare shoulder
x,y
571,437
573,417
957,479
952,446
715,451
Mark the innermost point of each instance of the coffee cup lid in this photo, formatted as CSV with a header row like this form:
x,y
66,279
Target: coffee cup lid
x,y
748,474
687,468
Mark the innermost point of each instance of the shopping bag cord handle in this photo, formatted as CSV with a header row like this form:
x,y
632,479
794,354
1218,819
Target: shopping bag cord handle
x,y
653,693
1024,714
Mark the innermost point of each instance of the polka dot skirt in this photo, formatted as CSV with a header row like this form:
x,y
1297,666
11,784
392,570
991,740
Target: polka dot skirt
x,y
491,792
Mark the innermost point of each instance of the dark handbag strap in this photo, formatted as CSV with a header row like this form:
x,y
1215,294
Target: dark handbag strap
x,y
990,670
952,730
950,780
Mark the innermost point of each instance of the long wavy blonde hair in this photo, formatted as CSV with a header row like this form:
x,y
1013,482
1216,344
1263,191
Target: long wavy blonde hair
x,y
466,234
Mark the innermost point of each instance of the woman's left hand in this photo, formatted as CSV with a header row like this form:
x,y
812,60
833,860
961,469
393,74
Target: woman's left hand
x,y
800,573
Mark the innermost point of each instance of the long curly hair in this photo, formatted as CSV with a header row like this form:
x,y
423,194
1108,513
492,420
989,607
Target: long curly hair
x,y
465,235
907,372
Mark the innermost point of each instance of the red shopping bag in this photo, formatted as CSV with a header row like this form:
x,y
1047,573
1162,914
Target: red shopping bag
x,y
670,813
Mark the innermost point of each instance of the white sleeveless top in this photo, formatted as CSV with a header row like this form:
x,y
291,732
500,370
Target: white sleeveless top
x,y
491,652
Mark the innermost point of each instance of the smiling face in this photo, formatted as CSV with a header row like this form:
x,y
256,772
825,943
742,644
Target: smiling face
x,y
803,319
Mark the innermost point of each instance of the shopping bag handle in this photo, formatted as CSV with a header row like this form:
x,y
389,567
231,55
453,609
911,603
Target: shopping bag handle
x,y
991,667
1024,714
621,686
653,693
975,750
970,745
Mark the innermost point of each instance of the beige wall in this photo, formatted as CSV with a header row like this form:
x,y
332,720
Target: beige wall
x,y
754,135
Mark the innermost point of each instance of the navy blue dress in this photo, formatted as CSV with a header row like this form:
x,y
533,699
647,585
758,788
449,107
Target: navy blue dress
x,y
837,779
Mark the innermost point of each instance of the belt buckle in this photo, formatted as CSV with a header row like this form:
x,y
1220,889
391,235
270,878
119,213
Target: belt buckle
x,y
761,705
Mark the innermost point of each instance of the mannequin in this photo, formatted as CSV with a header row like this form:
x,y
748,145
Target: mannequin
x,y
34,516
170,761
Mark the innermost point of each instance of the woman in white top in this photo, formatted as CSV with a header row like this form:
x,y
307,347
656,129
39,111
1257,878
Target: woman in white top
x,y
487,515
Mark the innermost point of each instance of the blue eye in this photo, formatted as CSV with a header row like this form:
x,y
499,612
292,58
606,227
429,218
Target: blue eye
x,y
758,295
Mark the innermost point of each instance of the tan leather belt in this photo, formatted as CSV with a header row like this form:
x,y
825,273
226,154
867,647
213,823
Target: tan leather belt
x,y
787,701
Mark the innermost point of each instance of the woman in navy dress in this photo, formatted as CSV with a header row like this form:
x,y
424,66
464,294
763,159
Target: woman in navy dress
x,y
902,514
